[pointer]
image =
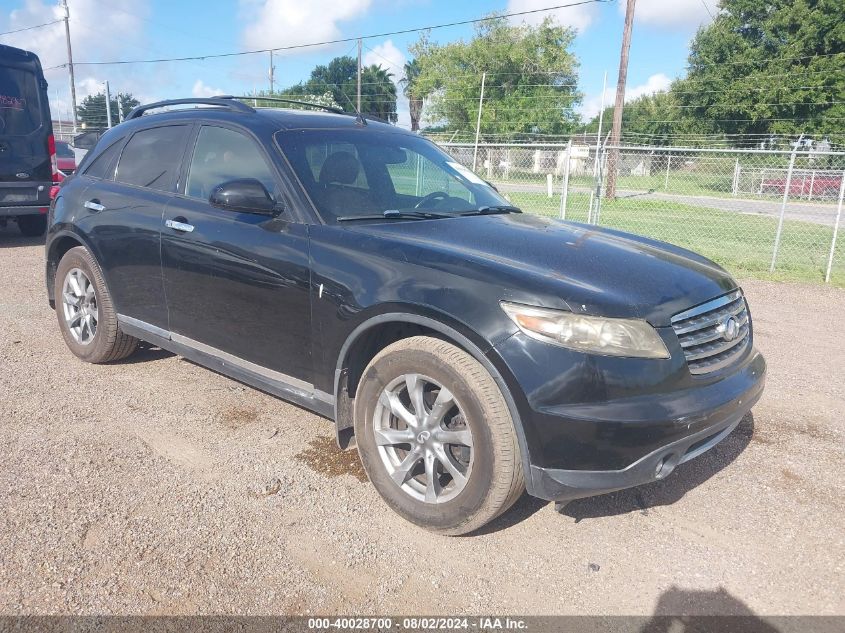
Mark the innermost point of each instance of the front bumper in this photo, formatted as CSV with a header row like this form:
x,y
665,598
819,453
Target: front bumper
x,y
565,485
608,424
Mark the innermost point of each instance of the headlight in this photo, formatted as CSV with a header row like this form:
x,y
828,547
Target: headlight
x,y
595,335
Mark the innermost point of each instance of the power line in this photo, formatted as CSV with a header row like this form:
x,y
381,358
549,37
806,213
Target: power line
x,y
29,28
706,8
342,40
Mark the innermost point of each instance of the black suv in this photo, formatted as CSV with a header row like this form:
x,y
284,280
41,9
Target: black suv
x,y
471,351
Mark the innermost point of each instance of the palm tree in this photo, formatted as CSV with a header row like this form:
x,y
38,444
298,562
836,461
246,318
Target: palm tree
x,y
409,89
378,93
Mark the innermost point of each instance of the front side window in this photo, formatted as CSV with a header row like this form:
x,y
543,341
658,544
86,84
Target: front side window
x,y
222,155
152,157
363,172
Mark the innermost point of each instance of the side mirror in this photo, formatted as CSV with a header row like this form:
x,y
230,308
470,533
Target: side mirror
x,y
245,195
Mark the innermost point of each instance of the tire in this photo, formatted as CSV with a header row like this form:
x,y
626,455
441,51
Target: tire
x,y
32,225
102,341
490,473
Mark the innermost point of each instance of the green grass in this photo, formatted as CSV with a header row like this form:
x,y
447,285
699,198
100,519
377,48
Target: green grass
x,y
742,243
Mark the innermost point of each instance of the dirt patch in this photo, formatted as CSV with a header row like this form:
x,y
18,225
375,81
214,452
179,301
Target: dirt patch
x,y
237,417
326,458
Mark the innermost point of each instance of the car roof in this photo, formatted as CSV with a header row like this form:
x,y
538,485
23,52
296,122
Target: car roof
x,y
265,118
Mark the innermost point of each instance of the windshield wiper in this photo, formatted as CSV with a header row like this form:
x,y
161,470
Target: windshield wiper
x,y
391,214
493,210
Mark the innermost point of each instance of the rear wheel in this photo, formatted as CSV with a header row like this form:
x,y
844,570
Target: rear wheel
x,y
85,311
32,225
436,437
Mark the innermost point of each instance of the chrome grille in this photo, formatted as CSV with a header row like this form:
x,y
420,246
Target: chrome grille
x,y
702,332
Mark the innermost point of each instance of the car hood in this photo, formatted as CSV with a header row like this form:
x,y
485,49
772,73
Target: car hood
x,y
557,264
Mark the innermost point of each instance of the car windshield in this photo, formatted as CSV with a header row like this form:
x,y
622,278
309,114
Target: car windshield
x,y
364,173
63,150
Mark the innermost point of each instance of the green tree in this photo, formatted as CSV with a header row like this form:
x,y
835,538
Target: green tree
x,y
325,99
340,78
92,110
530,86
768,68
410,88
651,119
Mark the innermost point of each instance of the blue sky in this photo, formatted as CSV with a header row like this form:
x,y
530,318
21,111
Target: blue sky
x,y
131,29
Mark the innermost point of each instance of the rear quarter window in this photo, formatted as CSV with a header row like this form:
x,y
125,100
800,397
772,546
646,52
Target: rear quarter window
x,y
103,165
20,111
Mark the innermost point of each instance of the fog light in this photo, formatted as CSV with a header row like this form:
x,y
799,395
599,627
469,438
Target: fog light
x,y
664,467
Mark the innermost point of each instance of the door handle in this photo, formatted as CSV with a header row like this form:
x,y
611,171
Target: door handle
x,y
176,225
94,205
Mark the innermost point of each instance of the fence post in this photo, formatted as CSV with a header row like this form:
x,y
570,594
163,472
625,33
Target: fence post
x,y
735,186
783,204
812,182
602,171
835,229
564,194
668,163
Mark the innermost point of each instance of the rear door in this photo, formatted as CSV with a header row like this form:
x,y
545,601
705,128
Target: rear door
x,y
122,213
26,172
238,284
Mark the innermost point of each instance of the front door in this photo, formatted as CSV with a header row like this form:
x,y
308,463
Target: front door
x,y
237,284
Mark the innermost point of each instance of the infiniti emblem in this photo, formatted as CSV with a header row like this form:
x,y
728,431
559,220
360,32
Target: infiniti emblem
x,y
729,329
423,437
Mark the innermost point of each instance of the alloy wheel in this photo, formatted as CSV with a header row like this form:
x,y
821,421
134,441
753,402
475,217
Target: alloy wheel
x,y
423,439
79,303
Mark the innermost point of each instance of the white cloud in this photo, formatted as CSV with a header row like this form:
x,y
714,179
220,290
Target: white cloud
x,y
655,83
99,32
677,14
289,22
388,57
578,17
200,89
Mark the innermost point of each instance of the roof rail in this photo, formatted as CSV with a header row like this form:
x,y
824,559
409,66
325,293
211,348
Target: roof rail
x,y
223,101
294,102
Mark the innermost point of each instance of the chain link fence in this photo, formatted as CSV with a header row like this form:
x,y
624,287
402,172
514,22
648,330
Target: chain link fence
x,y
756,212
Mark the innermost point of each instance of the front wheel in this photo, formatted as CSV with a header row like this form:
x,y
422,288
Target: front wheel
x,y
436,437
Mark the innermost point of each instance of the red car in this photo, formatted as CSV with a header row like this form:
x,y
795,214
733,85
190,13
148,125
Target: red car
x,y
65,157
823,185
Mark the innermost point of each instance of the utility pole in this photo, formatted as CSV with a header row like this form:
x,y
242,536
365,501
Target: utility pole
x,y
478,121
272,69
359,76
108,106
70,66
616,131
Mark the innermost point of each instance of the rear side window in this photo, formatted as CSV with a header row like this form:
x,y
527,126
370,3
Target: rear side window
x,y
151,158
103,165
20,112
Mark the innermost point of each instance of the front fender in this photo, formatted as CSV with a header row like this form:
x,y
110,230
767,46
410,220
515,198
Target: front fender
x,y
451,329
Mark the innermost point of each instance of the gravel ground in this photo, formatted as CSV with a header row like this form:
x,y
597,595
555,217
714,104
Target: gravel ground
x,y
155,486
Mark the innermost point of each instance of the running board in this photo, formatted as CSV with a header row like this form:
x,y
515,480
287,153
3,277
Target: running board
x,y
276,383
